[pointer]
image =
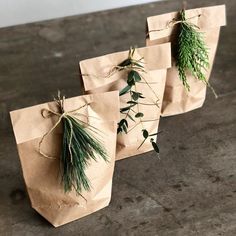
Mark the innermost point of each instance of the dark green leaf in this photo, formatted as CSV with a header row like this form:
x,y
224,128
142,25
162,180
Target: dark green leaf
x,y
132,102
145,133
139,114
125,109
119,130
122,122
126,123
126,62
135,96
136,76
125,90
131,79
155,147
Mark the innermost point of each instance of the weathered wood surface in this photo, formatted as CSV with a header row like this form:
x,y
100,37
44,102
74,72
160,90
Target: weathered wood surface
x,y
190,191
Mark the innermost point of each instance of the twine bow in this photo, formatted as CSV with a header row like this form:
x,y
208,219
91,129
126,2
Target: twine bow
x,y
62,114
79,146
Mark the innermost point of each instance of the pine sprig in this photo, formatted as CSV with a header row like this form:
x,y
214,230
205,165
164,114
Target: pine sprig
x,y
79,146
192,53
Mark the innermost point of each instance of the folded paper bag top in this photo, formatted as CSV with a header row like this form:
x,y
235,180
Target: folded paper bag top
x,y
42,175
99,76
205,18
177,99
156,58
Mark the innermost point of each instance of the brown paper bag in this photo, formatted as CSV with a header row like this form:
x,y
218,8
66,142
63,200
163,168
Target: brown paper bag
x,y
42,175
177,99
156,61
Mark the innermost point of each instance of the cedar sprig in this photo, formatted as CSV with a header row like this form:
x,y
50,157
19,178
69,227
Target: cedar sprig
x,y
134,68
192,53
79,147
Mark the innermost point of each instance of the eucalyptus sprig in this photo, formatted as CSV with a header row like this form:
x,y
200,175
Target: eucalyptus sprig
x,y
134,76
192,53
79,147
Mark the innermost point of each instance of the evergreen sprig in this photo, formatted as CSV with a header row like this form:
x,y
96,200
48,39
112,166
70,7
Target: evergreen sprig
x,y
192,53
134,67
79,146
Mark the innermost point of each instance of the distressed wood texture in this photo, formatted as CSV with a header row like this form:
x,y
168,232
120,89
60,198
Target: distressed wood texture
x,y
190,191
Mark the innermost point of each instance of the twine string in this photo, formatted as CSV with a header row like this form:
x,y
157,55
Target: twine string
x,y
118,68
172,23
63,115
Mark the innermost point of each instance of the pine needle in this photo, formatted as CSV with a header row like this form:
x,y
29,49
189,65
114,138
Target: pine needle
x,y
191,54
79,146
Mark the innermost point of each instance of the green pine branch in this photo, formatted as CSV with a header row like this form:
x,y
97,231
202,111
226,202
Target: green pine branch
x,y
192,53
79,147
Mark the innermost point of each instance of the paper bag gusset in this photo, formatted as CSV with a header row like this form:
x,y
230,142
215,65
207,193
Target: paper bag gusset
x,y
180,97
140,78
67,153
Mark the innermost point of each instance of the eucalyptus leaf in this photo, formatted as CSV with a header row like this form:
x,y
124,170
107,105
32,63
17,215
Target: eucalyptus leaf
x,y
126,123
136,76
145,133
139,114
131,79
125,90
119,130
155,147
122,122
125,109
135,96
132,102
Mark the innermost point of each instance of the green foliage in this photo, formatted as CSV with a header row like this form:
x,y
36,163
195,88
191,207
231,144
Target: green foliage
x,y
139,114
146,135
79,146
133,77
134,67
191,54
125,90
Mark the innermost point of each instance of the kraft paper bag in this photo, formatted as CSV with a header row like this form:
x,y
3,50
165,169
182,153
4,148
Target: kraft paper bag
x,y
42,175
177,99
156,60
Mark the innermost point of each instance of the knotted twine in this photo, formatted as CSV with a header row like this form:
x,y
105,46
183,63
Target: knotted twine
x,y
62,114
174,22
79,146
129,64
